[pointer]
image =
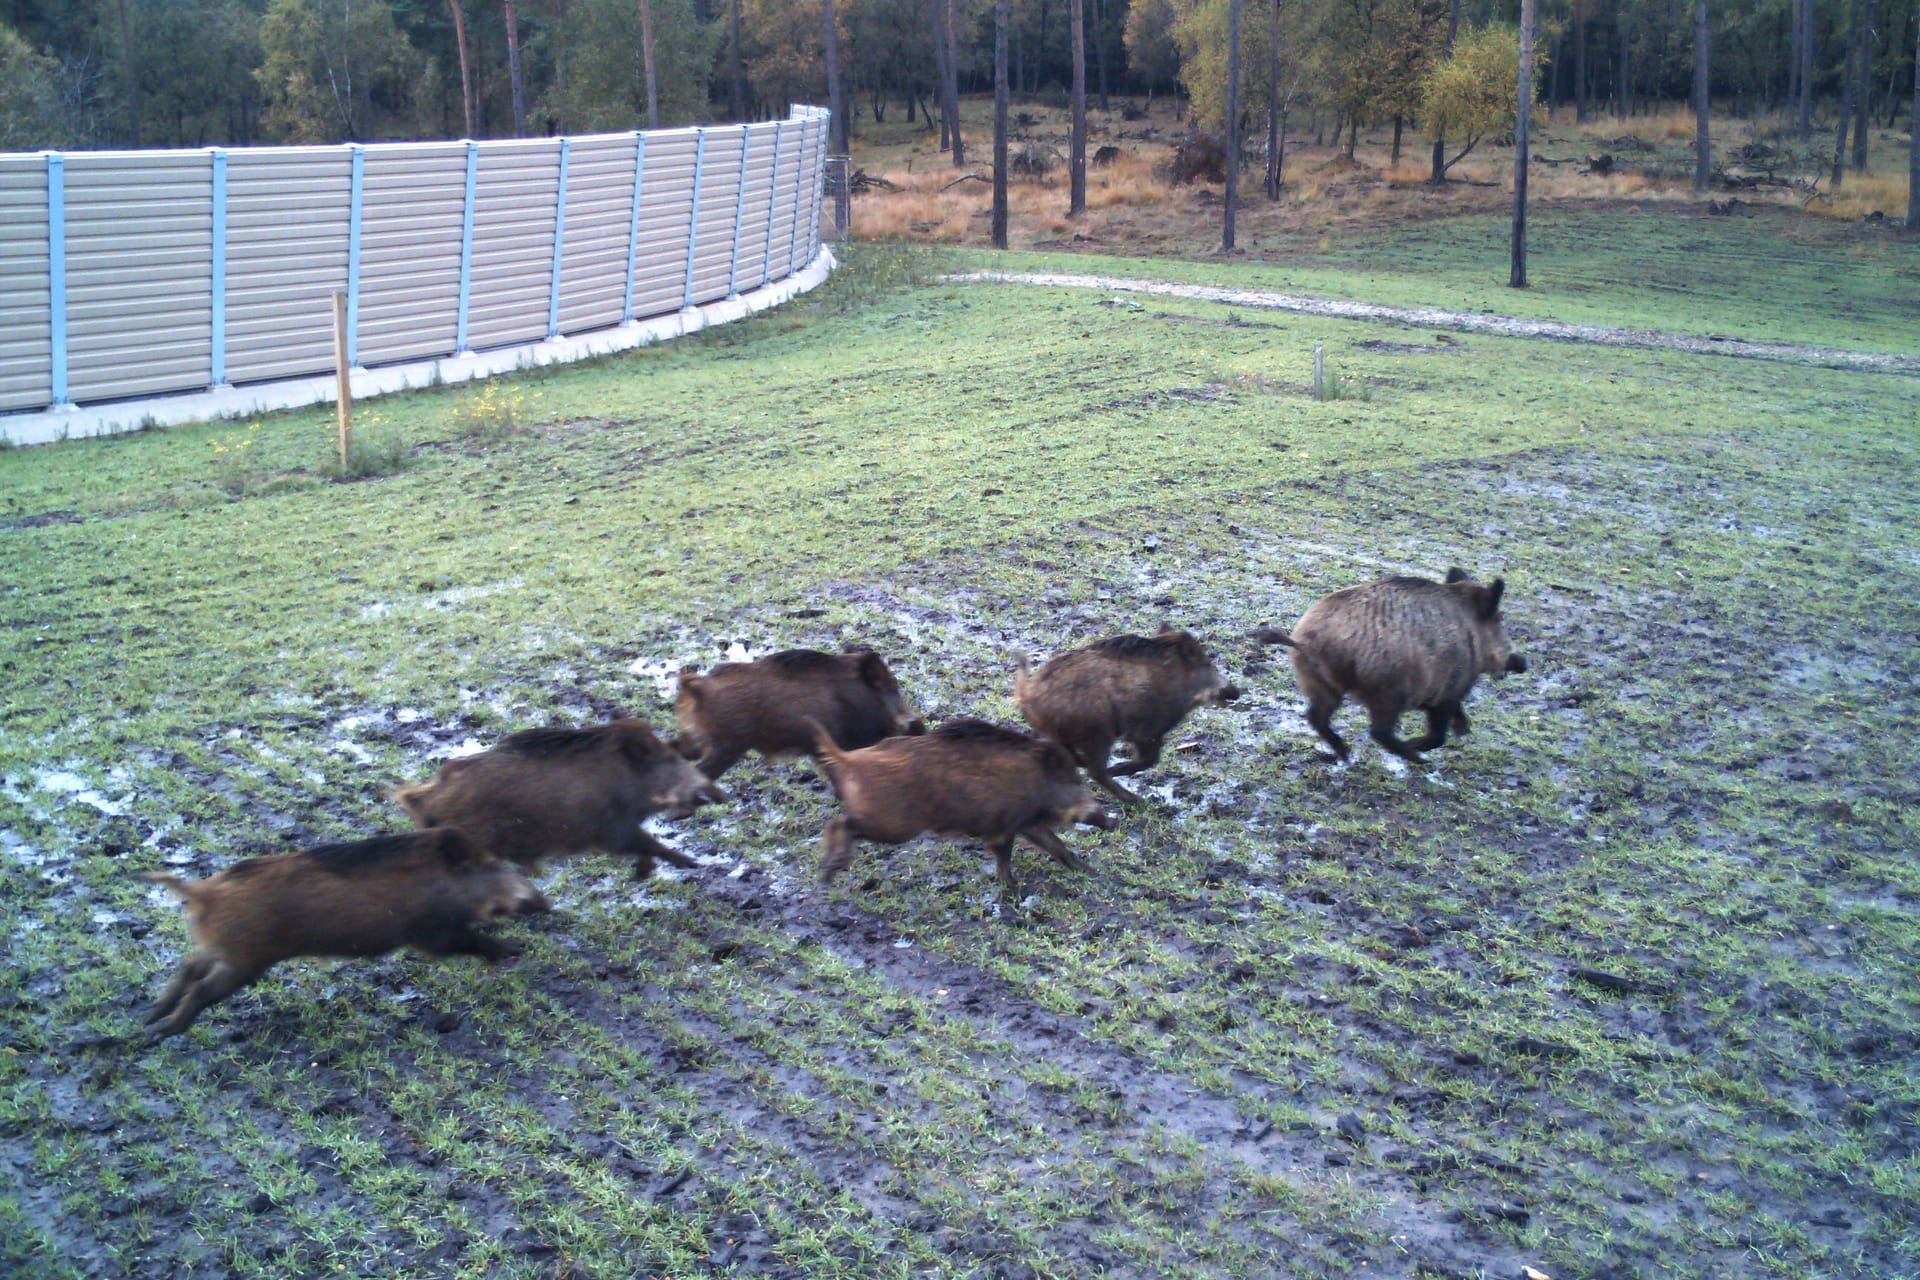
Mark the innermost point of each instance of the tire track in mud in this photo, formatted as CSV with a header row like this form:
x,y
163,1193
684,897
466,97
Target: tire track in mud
x,y
1468,321
1144,1096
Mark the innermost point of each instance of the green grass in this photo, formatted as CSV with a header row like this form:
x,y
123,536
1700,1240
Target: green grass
x,y
1703,784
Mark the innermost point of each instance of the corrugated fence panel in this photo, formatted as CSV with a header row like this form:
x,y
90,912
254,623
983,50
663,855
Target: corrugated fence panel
x,y
286,257
140,228
26,318
139,273
593,262
412,207
719,184
513,217
666,199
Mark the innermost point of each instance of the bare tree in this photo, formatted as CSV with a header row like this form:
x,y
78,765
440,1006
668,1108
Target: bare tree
x,y
1100,50
999,124
126,71
1702,144
1077,160
1439,138
1522,129
1862,120
1806,71
513,69
466,65
1846,99
646,59
835,103
940,14
1230,206
1579,61
733,57
1913,144
1274,154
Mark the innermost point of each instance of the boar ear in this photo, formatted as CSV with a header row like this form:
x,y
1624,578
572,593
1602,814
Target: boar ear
x,y
637,742
458,851
873,670
1490,598
1457,574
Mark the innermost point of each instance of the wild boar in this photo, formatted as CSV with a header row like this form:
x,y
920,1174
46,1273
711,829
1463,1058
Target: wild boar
x,y
769,706
1122,689
421,889
548,793
966,778
1398,644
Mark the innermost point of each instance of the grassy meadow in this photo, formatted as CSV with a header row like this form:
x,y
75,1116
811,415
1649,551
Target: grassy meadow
x,y
1624,984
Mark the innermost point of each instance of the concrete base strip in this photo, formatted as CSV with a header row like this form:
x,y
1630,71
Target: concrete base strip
x,y
45,426
1469,322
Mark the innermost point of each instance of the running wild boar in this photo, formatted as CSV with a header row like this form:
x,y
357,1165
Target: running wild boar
x,y
770,706
421,889
1122,689
965,778
1400,644
549,793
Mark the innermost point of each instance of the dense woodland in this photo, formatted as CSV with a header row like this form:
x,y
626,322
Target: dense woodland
x,y
97,73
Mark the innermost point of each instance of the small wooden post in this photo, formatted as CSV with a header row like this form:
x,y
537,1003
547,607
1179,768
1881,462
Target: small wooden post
x,y
1319,371
345,376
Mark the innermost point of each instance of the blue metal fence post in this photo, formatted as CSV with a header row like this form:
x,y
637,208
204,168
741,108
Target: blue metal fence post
x,y
633,225
466,252
693,218
773,197
57,276
559,244
799,186
217,370
356,189
739,212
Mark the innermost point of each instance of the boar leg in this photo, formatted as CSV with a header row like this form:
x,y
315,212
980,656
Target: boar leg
x,y
465,940
1385,731
1459,720
718,760
1145,756
1096,766
646,851
191,970
1320,709
1001,847
217,981
836,847
1047,842
1436,734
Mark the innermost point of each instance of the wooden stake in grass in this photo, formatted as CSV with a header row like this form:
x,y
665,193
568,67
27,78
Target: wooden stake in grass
x,y
345,376
1319,372
1522,121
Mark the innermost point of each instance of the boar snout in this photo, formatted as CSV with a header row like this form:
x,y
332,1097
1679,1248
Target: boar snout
x,y
1516,664
712,793
1229,694
914,728
1094,814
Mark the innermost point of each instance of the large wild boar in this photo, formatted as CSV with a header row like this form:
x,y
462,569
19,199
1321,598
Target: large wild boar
x,y
1122,689
1400,644
770,706
966,778
548,793
421,889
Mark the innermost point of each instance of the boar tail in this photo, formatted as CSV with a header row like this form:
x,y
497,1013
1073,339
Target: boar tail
x,y
413,800
1274,635
172,884
1020,683
827,750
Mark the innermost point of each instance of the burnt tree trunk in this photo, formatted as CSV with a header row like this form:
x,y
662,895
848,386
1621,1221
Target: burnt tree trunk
x,y
1231,204
1077,159
1522,129
514,80
1702,143
646,58
466,67
999,124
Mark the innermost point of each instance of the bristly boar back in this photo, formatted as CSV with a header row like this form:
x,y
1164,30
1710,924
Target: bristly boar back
x,y
770,706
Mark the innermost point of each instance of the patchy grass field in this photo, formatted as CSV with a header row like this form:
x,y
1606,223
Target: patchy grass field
x,y
1624,984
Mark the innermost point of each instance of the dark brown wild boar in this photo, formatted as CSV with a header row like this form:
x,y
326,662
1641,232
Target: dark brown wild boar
x,y
1400,644
1122,689
966,778
770,706
548,793
421,889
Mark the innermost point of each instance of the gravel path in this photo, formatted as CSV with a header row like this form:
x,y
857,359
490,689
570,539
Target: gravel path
x,y
1472,322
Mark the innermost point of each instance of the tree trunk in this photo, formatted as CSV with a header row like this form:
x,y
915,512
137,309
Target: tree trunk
x,y
835,102
999,124
1793,52
733,57
1863,119
938,14
1806,71
1393,160
1440,141
646,58
513,69
1626,63
953,85
466,69
1077,157
1913,145
1100,50
1231,204
127,74
1579,61
1702,144
1522,129
1273,101
1846,98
